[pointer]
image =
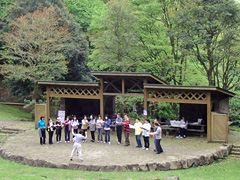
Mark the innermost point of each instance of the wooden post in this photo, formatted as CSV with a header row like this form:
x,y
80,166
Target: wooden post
x,y
145,103
123,86
209,133
48,105
101,97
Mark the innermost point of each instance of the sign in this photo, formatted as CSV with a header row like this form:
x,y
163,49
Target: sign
x,y
145,112
61,114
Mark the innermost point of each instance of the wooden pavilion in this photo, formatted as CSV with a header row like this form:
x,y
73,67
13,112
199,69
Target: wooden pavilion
x,y
208,102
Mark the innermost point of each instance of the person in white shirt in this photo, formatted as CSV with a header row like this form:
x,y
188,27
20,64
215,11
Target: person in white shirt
x,y
182,128
74,124
99,126
77,144
146,130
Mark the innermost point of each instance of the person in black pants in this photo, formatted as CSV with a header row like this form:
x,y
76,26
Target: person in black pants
x,y
50,130
92,127
41,128
58,130
118,127
67,124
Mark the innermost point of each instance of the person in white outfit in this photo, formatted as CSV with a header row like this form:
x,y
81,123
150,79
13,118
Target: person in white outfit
x,y
77,145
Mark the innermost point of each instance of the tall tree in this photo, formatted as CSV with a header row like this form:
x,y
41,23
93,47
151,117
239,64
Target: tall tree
x,y
34,48
84,11
205,25
115,43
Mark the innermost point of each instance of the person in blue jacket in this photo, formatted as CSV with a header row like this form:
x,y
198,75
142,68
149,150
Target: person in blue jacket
x,y
41,129
106,125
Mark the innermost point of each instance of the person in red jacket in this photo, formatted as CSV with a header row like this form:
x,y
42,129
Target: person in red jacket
x,y
126,130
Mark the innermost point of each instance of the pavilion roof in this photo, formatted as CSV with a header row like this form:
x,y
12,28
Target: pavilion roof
x,y
137,75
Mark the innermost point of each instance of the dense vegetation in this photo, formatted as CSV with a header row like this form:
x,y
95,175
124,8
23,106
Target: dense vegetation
x,y
189,42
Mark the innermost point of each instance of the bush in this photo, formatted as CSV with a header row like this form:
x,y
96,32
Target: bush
x,y
234,109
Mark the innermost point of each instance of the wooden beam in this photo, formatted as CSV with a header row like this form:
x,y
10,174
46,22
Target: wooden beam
x,y
48,104
177,101
101,97
145,102
126,94
123,86
74,96
209,133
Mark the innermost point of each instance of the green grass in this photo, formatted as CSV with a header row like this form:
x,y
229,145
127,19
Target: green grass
x,y
226,169
13,113
235,128
1,137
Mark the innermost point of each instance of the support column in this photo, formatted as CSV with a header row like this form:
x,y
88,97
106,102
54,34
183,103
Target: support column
x,y
123,86
48,105
145,103
209,124
101,97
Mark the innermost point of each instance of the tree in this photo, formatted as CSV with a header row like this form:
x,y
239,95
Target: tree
x,y
34,48
205,27
84,11
115,43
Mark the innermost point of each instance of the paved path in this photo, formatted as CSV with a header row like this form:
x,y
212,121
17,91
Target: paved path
x,y
27,144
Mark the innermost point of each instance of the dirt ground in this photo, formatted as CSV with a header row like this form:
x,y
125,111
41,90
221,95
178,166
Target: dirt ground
x,y
27,144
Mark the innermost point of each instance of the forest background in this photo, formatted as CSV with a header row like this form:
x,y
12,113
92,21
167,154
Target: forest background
x,y
184,42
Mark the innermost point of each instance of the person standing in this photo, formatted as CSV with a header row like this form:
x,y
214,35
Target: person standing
x,y
50,129
99,125
67,129
155,121
79,138
41,128
92,127
126,130
146,130
84,124
58,130
106,125
74,124
137,126
158,136
118,127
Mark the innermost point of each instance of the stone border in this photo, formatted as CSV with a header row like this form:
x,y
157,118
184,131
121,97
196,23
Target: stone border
x,y
222,152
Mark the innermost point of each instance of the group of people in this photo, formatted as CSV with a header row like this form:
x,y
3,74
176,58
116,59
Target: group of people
x,y
98,125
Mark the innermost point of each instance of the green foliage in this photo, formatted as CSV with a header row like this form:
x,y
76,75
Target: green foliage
x,y
208,30
37,57
13,113
165,110
84,11
234,109
115,41
20,87
133,106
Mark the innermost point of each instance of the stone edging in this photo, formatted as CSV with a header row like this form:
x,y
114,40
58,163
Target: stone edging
x,y
161,166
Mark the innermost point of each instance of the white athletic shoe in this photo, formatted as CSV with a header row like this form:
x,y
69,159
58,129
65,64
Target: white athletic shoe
x,y
146,149
104,142
119,143
109,143
143,147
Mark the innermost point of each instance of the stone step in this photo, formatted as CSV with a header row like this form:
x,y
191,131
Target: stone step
x,y
236,146
235,156
235,152
235,149
7,131
12,129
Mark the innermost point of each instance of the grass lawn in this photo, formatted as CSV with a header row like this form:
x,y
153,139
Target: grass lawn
x,y
13,113
235,128
226,169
